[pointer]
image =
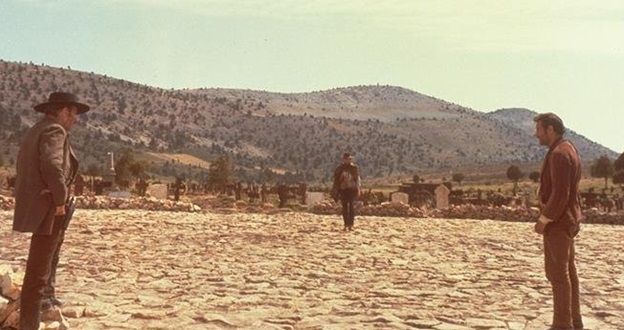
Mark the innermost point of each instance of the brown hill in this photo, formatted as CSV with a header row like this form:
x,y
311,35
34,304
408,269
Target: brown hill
x,y
392,130
384,103
523,119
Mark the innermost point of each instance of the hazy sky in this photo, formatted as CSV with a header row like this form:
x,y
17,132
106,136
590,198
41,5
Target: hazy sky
x,y
547,55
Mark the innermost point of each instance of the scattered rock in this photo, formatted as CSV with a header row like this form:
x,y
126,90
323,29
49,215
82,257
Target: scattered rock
x,y
427,324
11,321
217,320
148,269
73,312
8,280
485,323
52,314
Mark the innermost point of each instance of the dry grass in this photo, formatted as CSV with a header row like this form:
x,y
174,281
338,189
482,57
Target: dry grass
x,y
185,159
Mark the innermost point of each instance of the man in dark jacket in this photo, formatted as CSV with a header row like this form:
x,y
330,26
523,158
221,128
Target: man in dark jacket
x,y
46,167
347,185
560,218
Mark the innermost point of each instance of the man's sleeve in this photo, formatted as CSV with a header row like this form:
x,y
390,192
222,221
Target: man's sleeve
x,y
51,149
560,171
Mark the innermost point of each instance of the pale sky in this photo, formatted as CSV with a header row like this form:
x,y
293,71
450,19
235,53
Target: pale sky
x,y
546,55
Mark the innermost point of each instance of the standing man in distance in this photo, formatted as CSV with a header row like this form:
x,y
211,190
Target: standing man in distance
x,y
347,185
46,167
560,218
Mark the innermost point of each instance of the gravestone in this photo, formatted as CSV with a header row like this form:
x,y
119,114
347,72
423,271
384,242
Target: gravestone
x,y
399,197
442,197
313,198
120,194
158,190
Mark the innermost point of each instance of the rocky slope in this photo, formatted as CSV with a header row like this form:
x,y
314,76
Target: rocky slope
x,y
523,119
392,130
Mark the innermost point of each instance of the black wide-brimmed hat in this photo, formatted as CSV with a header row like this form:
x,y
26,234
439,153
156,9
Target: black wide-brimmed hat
x,y
57,99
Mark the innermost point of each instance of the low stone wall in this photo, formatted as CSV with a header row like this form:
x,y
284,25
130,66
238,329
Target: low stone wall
x,y
520,214
595,216
227,204
503,213
222,204
141,203
104,202
386,209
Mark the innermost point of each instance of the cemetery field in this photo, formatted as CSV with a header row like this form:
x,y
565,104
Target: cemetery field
x,y
168,270
506,186
527,185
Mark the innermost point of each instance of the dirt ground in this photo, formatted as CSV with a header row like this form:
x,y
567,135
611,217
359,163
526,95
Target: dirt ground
x,y
165,270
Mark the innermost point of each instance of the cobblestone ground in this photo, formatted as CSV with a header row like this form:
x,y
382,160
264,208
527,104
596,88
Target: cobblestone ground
x,y
163,270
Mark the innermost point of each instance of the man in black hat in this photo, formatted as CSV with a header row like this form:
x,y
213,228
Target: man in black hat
x,y
46,167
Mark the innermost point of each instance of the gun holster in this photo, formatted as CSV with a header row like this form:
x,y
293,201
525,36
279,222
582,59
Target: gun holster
x,y
70,207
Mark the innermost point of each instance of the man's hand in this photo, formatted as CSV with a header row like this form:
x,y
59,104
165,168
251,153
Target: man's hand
x,y
59,211
539,227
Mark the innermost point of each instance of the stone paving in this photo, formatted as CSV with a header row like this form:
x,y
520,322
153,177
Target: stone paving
x,y
165,270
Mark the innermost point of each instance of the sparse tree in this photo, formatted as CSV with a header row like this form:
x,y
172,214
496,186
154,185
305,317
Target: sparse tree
x,y
514,174
602,168
534,176
458,177
618,164
220,173
416,178
127,168
618,177
266,175
93,170
122,168
138,169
